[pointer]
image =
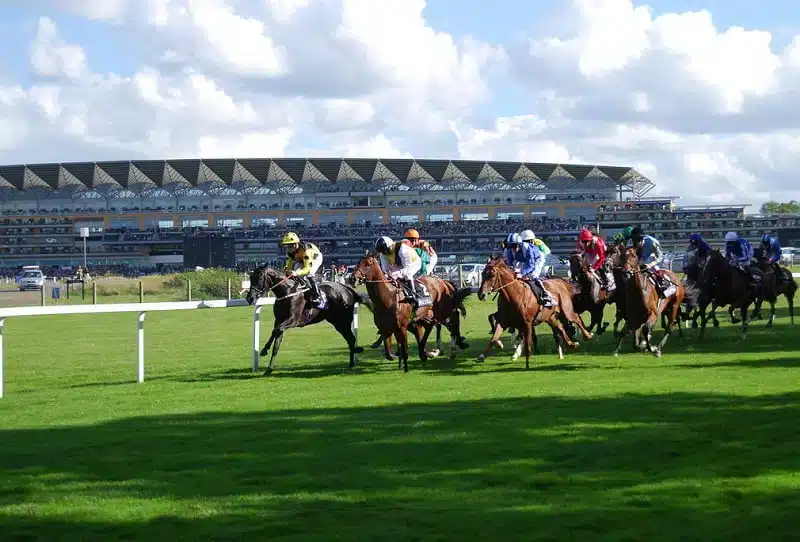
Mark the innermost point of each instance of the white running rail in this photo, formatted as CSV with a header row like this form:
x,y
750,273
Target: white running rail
x,y
143,309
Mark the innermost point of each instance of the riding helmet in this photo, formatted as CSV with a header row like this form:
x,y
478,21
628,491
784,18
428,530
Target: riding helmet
x,y
412,234
585,235
627,232
384,244
695,238
513,239
291,238
527,235
765,238
637,232
731,236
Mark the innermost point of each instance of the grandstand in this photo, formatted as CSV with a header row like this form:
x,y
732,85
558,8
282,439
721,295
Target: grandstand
x,y
138,212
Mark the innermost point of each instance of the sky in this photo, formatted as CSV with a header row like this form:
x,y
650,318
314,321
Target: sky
x,y
700,96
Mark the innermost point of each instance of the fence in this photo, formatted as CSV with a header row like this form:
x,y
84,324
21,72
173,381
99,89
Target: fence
x,y
143,309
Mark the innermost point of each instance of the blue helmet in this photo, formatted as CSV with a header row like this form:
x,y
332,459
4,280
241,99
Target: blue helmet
x,y
514,239
766,238
695,238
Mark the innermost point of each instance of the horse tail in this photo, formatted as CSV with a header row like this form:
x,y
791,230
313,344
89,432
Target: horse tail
x,y
360,298
459,297
691,296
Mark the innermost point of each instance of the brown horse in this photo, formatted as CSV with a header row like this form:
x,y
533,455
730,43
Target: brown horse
x,y
644,305
777,282
393,318
614,259
519,308
589,295
723,285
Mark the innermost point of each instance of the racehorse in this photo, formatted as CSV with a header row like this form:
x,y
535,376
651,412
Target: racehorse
x,y
723,285
614,259
589,296
460,342
393,318
518,307
644,306
291,310
777,282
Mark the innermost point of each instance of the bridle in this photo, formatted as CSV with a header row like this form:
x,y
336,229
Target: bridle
x,y
261,290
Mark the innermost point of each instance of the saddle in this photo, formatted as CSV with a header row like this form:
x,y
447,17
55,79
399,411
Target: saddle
x,y
663,284
422,297
539,292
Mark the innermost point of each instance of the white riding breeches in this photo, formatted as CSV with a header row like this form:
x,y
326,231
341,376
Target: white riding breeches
x,y
315,265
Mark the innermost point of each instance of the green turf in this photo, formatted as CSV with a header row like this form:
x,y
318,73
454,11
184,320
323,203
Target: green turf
x,y
702,444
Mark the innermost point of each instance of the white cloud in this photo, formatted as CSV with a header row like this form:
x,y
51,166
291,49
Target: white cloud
x,y
709,113
51,57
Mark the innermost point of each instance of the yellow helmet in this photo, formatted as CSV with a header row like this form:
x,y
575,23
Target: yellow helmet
x,y
412,234
290,238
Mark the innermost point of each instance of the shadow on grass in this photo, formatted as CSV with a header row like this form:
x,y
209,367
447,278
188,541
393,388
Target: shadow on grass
x,y
780,362
665,467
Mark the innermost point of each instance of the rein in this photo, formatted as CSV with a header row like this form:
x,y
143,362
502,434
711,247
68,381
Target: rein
x,y
260,290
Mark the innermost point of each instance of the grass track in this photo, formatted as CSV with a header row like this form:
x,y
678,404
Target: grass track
x,y
701,444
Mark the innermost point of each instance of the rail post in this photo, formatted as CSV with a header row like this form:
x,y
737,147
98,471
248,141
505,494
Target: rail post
x,y
141,292
256,336
94,293
229,289
140,343
188,289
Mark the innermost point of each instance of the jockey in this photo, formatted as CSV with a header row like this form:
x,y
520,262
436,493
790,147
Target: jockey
x,y
303,260
593,251
400,262
738,251
650,255
524,259
618,239
425,251
698,251
771,248
627,232
529,237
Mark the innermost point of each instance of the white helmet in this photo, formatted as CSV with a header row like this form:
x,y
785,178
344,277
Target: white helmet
x,y
527,235
731,236
383,244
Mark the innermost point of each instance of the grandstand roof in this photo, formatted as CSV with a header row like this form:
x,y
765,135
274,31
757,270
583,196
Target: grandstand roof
x,y
305,175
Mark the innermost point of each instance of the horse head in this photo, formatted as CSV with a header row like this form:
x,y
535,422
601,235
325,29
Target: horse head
x,y
492,277
629,261
576,265
368,269
263,280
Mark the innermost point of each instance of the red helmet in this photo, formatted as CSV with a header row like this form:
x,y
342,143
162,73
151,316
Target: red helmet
x,y
585,235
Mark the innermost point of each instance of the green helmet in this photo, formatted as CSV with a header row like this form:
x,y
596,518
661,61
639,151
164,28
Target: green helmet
x,y
627,232
618,238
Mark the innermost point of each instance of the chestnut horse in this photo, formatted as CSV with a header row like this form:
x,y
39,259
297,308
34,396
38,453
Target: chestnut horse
x,y
393,318
644,305
518,307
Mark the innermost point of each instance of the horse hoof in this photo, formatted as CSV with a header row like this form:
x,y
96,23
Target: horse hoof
x,y
358,350
389,357
268,371
615,354
657,353
480,359
263,353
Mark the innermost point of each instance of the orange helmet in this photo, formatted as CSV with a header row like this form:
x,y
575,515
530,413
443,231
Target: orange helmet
x,y
412,234
585,235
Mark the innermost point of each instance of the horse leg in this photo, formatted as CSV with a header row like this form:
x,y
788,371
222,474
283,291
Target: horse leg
x,y
527,336
498,332
621,338
343,327
733,319
439,337
387,349
378,342
276,346
790,301
519,348
402,345
771,320
745,320
421,333
674,318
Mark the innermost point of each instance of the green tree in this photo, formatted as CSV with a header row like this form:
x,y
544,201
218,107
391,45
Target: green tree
x,y
781,208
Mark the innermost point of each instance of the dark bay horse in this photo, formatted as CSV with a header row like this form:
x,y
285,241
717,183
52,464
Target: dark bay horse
x,y
589,295
614,259
644,306
292,311
777,282
518,307
724,285
394,319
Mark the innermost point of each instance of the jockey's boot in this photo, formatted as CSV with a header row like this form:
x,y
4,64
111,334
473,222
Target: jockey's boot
x,y
316,295
411,289
544,297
